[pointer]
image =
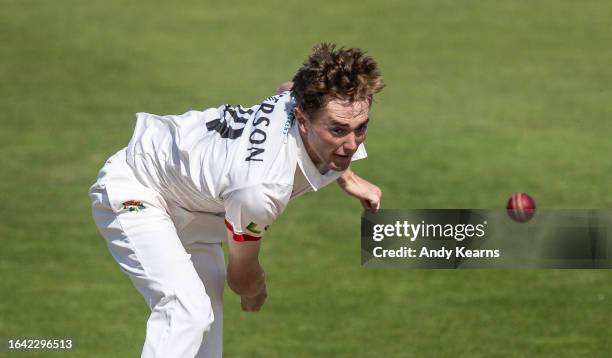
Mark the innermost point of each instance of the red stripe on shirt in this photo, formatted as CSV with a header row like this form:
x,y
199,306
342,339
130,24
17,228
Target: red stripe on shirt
x,y
240,237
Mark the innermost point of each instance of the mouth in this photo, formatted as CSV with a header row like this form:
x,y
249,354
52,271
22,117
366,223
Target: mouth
x,y
342,158
340,162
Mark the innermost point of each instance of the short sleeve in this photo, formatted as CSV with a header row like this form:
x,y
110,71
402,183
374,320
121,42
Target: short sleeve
x,y
250,210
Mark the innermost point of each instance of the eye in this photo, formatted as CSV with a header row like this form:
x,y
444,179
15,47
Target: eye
x,y
361,129
338,131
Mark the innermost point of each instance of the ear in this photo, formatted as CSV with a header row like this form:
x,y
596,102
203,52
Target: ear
x,y
303,123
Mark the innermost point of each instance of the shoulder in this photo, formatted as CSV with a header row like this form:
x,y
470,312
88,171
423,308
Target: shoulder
x,y
267,152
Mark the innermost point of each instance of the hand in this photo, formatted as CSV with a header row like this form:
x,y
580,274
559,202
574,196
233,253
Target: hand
x,y
368,194
285,86
254,304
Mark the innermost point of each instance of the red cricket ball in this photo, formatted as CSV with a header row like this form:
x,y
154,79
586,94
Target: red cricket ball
x,y
521,207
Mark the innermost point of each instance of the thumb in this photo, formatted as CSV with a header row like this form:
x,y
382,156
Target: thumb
x,y
370,204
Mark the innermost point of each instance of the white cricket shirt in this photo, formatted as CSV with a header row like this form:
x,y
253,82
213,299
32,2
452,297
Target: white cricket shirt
x,y
232,159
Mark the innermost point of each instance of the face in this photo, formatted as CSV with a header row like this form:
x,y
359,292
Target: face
x,y
331,136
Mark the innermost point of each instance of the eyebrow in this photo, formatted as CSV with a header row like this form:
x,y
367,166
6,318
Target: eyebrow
x,y
340,124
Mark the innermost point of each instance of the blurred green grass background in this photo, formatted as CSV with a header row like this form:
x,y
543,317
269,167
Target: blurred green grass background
x,y
483,99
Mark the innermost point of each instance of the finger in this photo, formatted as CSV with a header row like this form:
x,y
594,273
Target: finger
x,y
252,308
367,204
245,305
248,308
249,305
285,86
370,204
376,202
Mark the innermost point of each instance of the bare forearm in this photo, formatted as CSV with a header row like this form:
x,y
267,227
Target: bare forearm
x,y
346,177
245,276
246,280
367,193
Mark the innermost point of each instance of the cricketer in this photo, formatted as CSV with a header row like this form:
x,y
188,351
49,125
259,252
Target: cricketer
x,y
187,183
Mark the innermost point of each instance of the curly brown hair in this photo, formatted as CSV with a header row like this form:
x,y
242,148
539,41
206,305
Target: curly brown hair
x,y
330,73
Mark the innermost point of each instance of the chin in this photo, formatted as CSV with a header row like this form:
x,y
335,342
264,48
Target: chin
x,y
339,168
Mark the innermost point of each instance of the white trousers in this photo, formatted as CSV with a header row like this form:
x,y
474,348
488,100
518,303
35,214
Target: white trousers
x,y
173,257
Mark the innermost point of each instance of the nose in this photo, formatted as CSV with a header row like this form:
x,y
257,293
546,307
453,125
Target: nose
x,y
351,143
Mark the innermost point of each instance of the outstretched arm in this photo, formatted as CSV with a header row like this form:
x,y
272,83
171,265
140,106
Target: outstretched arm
x,y
367,193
